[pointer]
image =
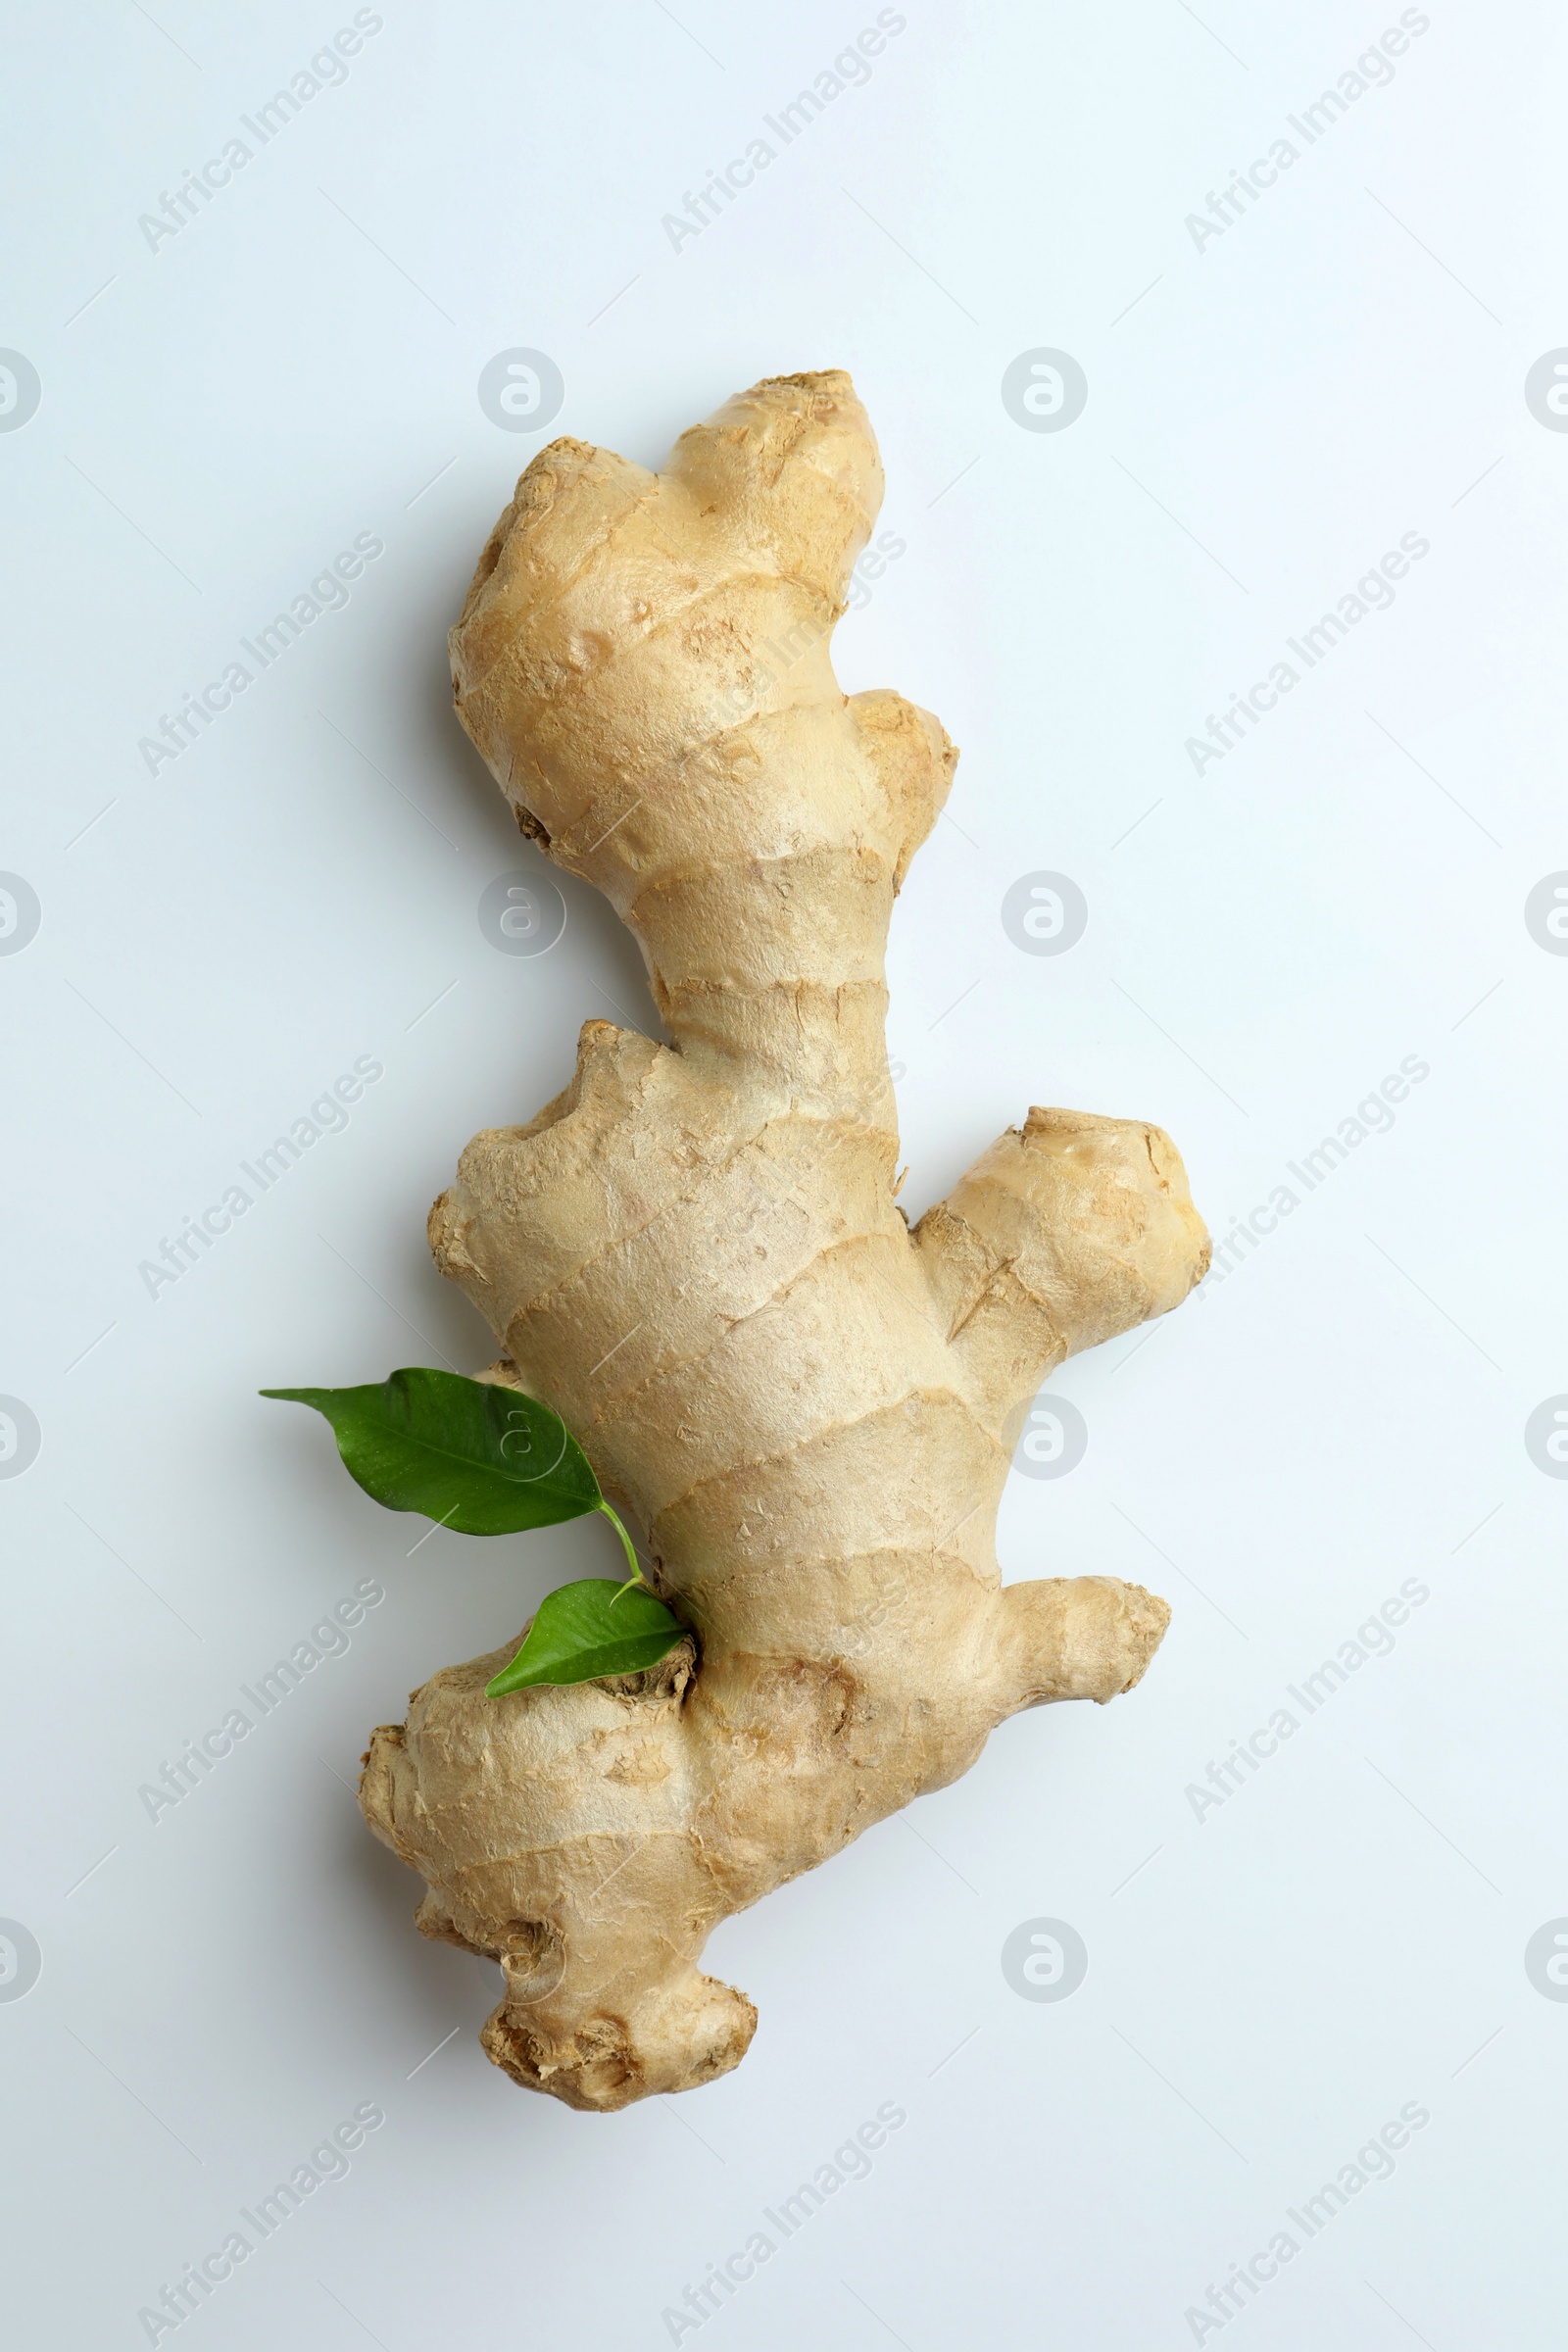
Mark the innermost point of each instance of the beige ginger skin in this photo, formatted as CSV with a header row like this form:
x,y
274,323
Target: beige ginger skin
x,y
693,1257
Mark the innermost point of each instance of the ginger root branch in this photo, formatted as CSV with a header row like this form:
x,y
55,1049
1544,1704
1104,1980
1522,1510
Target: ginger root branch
x,y
693,1257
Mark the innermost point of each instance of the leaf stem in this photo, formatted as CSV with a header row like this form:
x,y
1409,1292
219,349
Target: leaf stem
x,y
636,1576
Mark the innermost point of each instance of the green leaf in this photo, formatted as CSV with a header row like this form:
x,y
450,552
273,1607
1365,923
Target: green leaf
x,y
588,1629
479,1458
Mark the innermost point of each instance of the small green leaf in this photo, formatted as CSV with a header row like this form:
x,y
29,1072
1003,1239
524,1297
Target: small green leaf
x,y
479,1458
588,1629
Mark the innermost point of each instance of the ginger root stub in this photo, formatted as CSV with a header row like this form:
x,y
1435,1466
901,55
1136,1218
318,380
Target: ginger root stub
x,y
693,1257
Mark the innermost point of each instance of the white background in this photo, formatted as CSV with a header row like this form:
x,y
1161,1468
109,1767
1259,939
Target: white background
x,y
1268,413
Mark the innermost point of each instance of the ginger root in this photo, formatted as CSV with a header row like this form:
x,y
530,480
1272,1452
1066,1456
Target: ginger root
x,y
693,1257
